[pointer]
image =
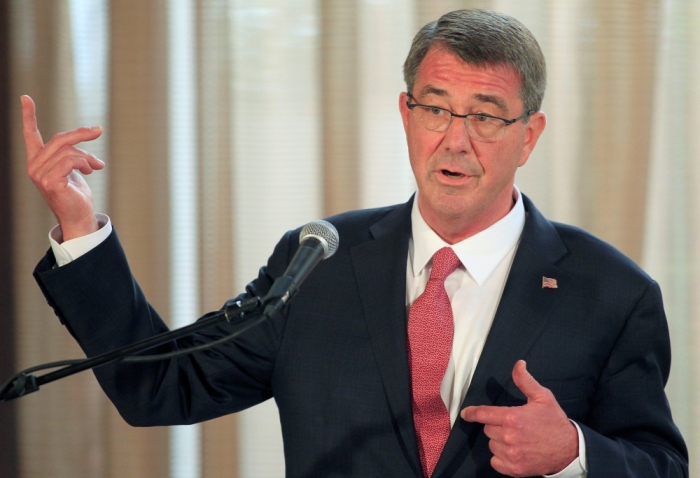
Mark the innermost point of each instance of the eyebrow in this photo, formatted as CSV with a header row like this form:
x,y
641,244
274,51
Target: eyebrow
x,y
496,100
431,90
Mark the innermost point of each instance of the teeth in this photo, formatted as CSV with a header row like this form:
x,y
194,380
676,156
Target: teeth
x,y
451,173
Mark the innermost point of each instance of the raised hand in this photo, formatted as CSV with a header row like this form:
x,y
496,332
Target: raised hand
x,y
531,440
52,167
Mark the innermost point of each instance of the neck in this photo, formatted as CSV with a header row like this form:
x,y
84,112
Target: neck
x,y
456,228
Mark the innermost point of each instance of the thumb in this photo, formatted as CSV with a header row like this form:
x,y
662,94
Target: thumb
x,y
527,383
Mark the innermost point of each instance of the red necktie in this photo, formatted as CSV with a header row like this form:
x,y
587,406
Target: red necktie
x,y
430,330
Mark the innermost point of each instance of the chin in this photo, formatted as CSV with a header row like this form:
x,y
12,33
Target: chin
x,y
452,207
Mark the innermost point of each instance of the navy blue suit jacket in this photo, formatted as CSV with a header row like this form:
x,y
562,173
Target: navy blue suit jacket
x,y
335,361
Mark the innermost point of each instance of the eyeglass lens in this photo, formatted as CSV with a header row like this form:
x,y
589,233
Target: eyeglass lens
x,y
483,128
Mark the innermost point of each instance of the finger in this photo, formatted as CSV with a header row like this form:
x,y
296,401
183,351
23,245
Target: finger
x,y
498,449
527,383
67,150
506,464
81,164
494,432
34,142
37,171
58,178
499,465
485,414
67,165
30,130
71,138
94,162
510,454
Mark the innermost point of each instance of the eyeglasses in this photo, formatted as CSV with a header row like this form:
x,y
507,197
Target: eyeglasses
x,y
480,126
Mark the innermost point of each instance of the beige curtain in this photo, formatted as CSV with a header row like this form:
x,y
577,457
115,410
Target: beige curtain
x,y
61,428
671,251
296,118
219,445
138,194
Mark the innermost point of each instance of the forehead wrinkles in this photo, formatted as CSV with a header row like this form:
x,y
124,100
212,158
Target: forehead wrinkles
x,y
483,98
442,72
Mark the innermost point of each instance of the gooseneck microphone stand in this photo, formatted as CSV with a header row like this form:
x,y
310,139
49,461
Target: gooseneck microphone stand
x,y
318,240
242,314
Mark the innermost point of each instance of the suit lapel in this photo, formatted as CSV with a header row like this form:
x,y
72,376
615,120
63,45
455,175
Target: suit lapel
x,y
521,316
380,271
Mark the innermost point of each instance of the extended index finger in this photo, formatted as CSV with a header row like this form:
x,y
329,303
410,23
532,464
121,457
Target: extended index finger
x,y
30,130
486,414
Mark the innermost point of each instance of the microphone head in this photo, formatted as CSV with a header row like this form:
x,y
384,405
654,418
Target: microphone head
x,y
325,233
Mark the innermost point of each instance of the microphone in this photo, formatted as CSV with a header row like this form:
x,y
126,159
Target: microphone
x,y
318,240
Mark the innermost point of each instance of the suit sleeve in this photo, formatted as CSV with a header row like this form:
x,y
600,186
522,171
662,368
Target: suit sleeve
x,y
629,430
102,306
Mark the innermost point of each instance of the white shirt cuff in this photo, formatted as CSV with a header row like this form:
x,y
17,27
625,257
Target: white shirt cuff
x,y
69,251
577,468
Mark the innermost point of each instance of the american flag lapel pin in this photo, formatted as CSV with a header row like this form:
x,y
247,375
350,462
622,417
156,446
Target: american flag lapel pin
x,y
549,283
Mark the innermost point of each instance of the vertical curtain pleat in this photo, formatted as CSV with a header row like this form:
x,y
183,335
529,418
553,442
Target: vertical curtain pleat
x,y
138,194
219,437
339,79
672,206
9,447
276,163
551,176
89,30
385,33
691,232
619,73
538,178
60,427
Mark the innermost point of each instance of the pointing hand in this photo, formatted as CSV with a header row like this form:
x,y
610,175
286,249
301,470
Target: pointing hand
x,y
531,440
53,169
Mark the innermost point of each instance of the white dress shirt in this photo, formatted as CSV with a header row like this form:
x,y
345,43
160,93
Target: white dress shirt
x,y
474,290
68,251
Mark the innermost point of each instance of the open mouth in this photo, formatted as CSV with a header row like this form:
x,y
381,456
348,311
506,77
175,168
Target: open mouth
x,y
452,174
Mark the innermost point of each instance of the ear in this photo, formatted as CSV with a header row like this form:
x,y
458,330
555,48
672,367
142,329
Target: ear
x,y
533,130
404,110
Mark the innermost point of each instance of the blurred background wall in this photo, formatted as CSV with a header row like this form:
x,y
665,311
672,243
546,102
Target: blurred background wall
x,y
228,122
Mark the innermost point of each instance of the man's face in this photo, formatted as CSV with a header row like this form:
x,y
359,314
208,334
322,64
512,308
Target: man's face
x,y
465,185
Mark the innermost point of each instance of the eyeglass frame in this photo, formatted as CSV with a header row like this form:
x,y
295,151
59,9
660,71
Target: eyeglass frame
x,y
506,122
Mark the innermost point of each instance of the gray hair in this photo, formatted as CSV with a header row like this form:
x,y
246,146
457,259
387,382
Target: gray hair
x,y
484,38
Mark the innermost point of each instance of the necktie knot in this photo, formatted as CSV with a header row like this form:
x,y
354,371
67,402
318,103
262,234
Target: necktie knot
x,y
445,262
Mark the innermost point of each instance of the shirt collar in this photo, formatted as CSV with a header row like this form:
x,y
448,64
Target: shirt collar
x,y
480,253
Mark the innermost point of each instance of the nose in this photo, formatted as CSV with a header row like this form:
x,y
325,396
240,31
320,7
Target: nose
x,y
456,138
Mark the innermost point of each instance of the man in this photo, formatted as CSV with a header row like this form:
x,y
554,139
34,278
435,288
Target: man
x,y
460,334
